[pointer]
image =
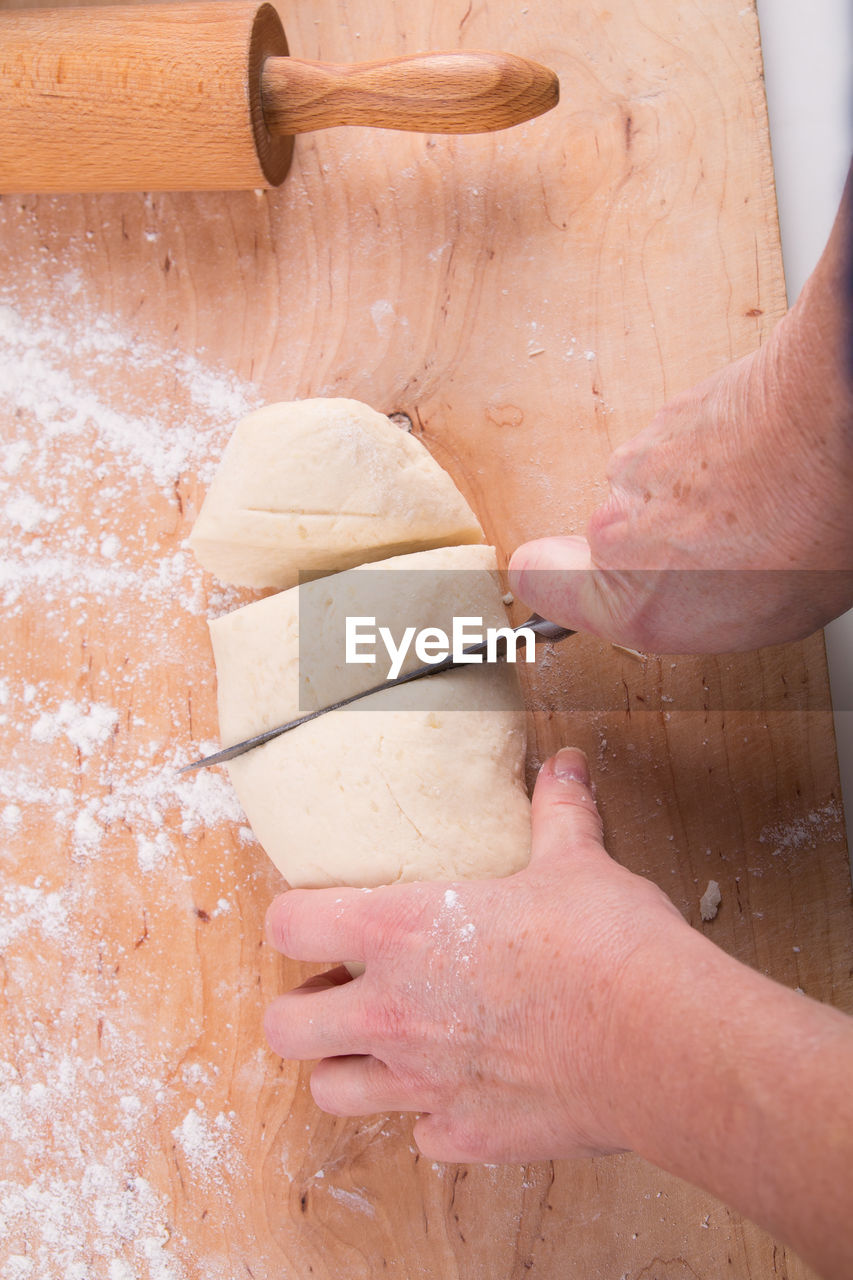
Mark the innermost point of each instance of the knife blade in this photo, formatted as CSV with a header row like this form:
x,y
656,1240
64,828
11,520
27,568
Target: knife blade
x,y
544,631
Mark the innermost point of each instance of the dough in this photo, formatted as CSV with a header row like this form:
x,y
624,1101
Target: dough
x,y
422,782
710,901
317,486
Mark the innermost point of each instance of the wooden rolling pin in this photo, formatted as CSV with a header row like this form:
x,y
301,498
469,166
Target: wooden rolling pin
x,y
204,96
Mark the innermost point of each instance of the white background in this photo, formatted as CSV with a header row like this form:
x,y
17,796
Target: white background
x,y
808,67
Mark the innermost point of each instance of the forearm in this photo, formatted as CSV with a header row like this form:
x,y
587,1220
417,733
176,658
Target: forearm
x,y
742,1087
823,318
807,399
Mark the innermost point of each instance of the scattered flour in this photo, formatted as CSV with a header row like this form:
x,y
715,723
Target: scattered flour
x,y
11,816
84,727
206,1144
35,376
382,315
27,908
28,514
352,1200
787,838
94,424
94,1215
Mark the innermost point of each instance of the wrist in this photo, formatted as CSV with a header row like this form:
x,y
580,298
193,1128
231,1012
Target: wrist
x,y
657,1044
741,1086
636,948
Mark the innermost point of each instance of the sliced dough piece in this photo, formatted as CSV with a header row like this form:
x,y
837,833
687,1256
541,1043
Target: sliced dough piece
x,y
422,782
316,486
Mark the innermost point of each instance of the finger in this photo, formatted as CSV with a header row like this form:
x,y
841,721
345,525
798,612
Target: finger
x,y
438,1138
320,1019
322,925
359,1086
548,574
557,578
565,818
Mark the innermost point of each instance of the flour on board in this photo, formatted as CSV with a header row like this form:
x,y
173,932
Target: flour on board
x,y
96,425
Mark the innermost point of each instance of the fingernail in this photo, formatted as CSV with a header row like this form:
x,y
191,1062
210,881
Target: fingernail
x,y
571,765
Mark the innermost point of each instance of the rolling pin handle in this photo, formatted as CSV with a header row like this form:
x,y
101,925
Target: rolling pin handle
x,y
424,93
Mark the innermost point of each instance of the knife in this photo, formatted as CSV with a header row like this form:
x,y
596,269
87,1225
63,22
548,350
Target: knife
x,y
544,632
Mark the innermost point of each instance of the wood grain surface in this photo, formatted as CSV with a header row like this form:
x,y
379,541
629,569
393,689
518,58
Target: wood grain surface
x,y
528,299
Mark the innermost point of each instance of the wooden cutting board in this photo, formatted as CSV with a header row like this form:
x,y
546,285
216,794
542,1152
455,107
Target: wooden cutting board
x,y
528,299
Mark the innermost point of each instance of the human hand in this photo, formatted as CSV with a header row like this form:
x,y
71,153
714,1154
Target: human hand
x,y
487,1006
729,523
725,529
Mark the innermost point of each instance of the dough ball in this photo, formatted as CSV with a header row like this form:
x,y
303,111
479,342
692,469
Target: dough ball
x,y
424,781
317,486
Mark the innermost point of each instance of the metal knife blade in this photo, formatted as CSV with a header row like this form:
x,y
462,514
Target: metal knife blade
x,y
543,629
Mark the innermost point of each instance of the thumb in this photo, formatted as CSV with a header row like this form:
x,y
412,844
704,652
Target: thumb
x,y
556,577
565,818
